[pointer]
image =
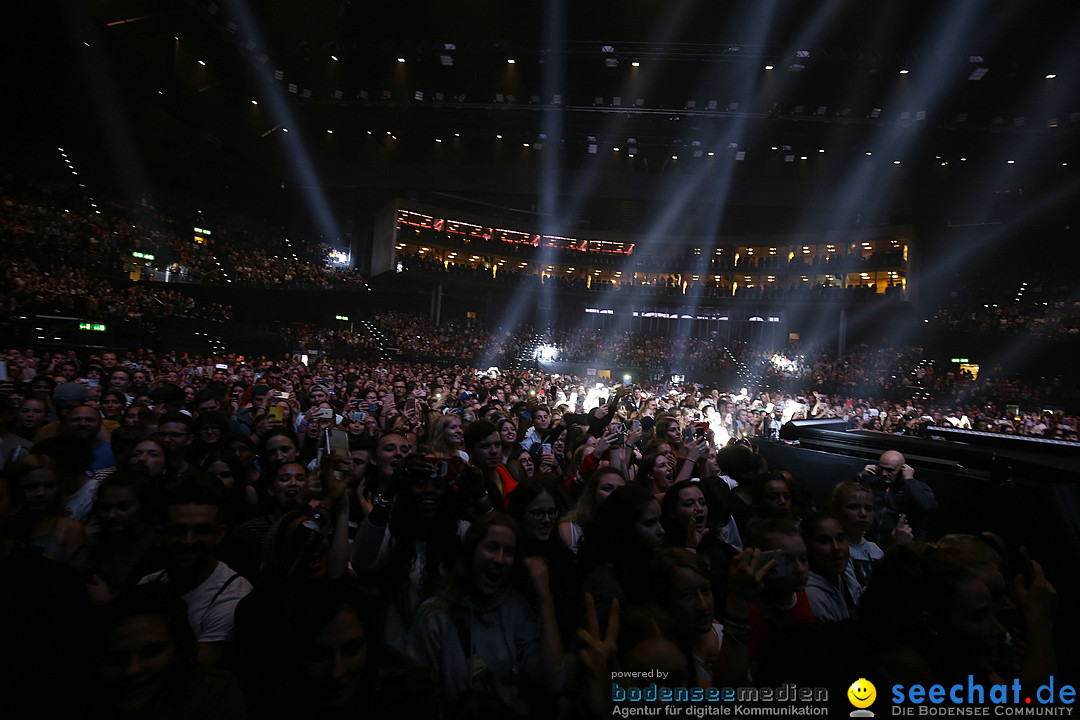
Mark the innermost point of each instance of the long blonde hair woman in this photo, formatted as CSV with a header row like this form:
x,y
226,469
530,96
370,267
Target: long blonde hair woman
x,y
446,437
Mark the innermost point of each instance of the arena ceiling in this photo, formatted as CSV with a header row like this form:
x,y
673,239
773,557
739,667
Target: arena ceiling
x,y
751,105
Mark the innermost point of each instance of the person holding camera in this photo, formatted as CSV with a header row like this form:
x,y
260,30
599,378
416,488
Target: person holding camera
x,y
897,492
409,538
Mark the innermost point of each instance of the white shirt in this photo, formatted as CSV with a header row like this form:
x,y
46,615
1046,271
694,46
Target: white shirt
x,y
212,605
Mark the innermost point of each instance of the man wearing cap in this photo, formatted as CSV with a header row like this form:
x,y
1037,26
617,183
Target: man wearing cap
x,y
318,393
66,397
254,402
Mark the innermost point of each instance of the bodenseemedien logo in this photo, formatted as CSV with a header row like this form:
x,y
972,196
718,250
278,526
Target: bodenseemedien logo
x,y
862,694
653,699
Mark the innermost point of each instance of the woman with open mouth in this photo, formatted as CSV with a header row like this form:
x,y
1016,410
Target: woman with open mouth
x,y
483,638
685,515
285,492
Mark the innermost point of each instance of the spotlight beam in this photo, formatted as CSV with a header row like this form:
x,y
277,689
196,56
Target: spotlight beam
x,y
115,124
682,192
637,85
295,152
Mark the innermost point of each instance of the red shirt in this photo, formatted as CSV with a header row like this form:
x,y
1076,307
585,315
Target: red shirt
x,y
762,629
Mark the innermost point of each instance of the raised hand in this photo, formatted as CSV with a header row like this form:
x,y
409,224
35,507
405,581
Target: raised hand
x,y
902,533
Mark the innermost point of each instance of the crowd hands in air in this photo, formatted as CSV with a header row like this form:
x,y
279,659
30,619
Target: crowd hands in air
x,y
241,537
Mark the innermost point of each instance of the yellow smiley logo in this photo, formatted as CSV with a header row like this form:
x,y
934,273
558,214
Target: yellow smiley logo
x,y
862,693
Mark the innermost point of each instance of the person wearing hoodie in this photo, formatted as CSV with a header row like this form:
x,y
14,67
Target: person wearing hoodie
x,y
833,593
484,641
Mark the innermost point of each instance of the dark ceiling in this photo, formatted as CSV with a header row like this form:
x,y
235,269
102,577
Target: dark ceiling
x,y
419,93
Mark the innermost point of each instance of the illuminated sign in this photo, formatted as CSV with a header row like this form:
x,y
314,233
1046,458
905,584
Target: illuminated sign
x,y
142,256
202,231
959,360
342,317
94,327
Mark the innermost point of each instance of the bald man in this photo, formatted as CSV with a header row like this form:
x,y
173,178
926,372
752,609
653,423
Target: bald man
x,y
896,493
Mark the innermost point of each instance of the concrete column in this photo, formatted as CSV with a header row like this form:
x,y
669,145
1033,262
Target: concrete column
x,y
841,335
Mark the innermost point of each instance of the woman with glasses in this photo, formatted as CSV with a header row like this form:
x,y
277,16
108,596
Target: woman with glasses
x,y
536,505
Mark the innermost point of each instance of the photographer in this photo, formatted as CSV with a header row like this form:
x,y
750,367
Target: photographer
x,y
897,492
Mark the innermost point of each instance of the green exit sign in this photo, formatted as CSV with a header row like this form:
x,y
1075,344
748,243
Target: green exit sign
x,y
959,360
202,231
142,256
93,327
342,317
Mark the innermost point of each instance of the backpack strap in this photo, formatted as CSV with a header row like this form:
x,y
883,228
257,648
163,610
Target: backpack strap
x,y
221,589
